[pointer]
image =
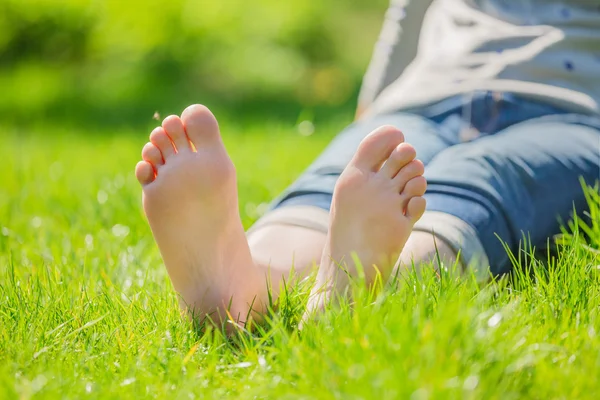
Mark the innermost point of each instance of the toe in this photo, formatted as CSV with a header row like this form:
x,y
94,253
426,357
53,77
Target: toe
x,y
414,188
411,170
160,139
144,172
377,147
151,154
200,125
415,208
402,155
174,128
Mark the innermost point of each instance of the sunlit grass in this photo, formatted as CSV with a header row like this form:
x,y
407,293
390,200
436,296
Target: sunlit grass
x,y
86,308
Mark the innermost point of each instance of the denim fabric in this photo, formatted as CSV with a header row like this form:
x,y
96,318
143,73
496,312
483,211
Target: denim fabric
x,y
506,166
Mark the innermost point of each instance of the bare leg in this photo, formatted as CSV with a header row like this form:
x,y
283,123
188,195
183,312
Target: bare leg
x,y
425,248
278,247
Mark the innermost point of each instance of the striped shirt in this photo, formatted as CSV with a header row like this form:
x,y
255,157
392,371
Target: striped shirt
x,y
429,50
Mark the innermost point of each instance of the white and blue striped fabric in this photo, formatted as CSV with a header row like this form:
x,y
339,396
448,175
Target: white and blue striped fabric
x,y
429,50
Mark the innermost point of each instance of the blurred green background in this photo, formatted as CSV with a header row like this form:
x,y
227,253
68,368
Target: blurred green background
x,y
111,63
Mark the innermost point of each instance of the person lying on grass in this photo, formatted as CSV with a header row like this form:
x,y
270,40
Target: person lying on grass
x,y
500,100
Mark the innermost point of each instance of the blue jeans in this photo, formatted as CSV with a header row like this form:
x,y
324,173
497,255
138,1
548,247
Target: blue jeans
x,y
504,165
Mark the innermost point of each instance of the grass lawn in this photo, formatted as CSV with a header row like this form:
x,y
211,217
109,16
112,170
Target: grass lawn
x,y
87,310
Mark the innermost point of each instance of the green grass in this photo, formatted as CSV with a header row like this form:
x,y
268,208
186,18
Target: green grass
x,y
87,311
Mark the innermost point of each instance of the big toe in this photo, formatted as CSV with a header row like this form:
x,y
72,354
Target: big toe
x,y
200,125
377,147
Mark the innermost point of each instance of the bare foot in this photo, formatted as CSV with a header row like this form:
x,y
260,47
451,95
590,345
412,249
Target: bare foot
x,y
190,199
376,202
